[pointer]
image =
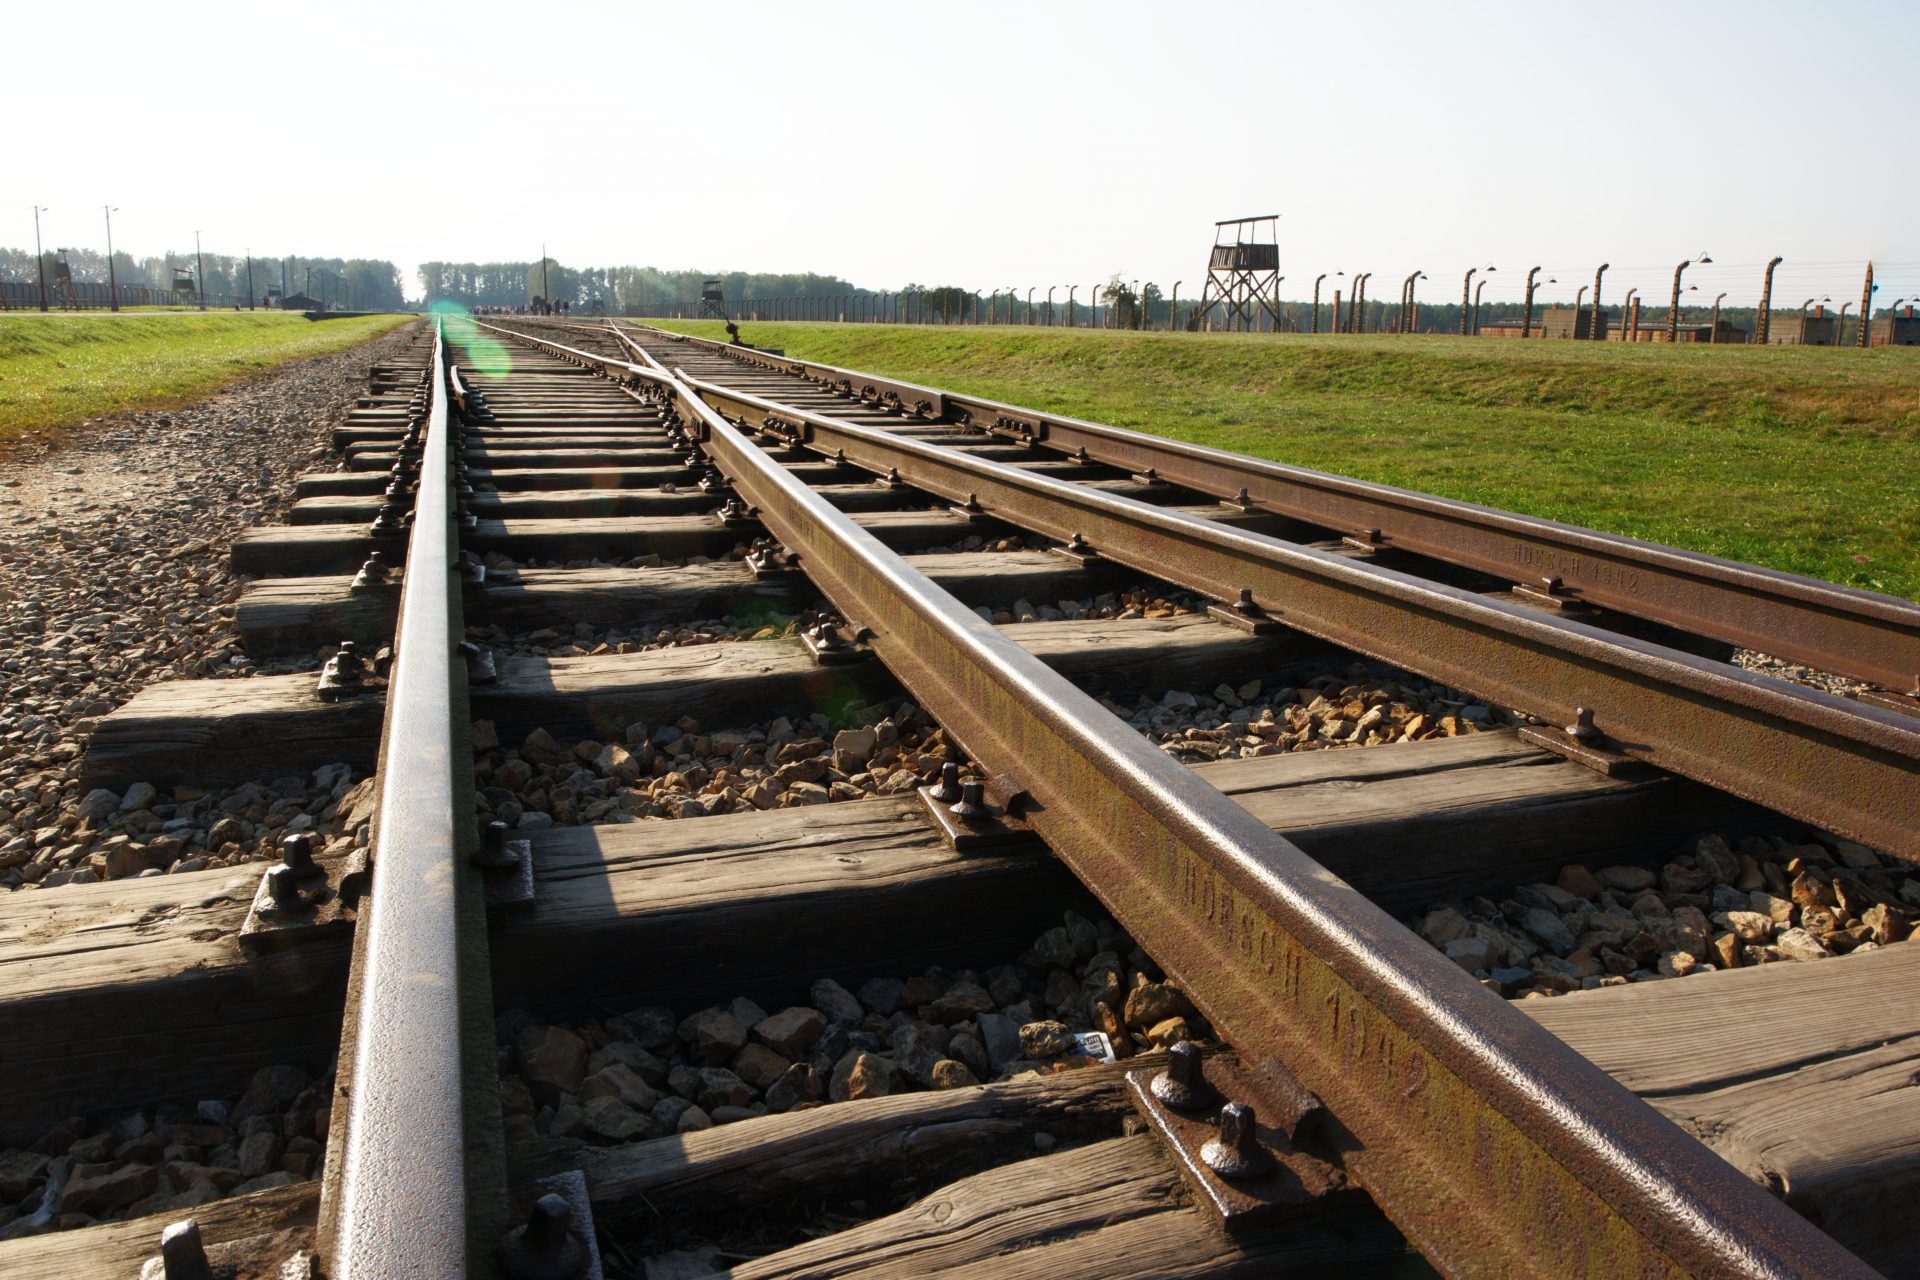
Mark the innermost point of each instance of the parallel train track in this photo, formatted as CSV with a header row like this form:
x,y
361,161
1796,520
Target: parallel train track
x,y
1371,1060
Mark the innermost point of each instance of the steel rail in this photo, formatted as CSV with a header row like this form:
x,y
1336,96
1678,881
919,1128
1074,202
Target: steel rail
x,y
1495,1147
1839,764
404,1199
1861,634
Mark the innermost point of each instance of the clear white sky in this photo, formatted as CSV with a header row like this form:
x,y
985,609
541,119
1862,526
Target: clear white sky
x,y
990,144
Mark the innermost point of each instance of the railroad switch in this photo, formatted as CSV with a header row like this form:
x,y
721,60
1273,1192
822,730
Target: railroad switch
x,y
1253,1142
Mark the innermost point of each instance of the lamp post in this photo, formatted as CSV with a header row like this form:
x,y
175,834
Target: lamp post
x,y
1763,321
1316,299
1840,325
1594,331
1406,301
1477,291
200,280
1867,290
1030,306
1050,289
1803,315
1356,313
1173,307
1526,313
1464,286
113,284
1629,331
1071,290
39,254
1673,307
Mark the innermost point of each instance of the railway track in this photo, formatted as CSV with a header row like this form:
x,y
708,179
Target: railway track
x,y
517,1016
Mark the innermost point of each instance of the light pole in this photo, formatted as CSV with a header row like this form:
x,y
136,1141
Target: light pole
x,y
1629,330
1867,289
201,282
1840,325
1030,306
1593,327
1013,298
1713,334
113,284
1316,298
1526,313
1173,308
1477,291
1673,307
1071,290
1466,286
39,254
1803,316
1406,300
1050,289
1137,300
1356,313
1579,297
1763,322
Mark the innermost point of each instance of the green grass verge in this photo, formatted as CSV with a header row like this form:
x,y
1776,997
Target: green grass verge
x,y
1802,459
56,371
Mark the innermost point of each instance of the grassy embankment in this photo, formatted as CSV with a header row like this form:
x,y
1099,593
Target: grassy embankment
x,y
1803,459
59,370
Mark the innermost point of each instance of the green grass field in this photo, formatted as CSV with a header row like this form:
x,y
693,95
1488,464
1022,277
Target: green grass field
x,y
1803,459
59,370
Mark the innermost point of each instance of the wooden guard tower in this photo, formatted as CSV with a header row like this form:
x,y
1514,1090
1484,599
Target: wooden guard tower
x,y
1243,273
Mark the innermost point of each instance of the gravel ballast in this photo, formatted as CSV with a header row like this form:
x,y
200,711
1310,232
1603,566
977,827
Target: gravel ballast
x,y
113,575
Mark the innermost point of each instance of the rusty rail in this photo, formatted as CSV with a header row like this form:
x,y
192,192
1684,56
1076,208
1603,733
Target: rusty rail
x,y
404,1202
1856,633
1495,1147
1839,764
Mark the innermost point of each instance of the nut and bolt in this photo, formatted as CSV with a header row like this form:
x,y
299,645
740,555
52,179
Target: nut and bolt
x,y
183,1256
947,791
493,850
1183,1086
1237,1152
547,1247
972,806
1582,729
296,854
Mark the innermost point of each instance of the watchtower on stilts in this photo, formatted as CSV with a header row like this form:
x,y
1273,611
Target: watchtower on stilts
x,y
1243,275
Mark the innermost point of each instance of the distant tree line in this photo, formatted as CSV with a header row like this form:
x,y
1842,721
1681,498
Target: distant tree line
x,y
369,284
618,289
